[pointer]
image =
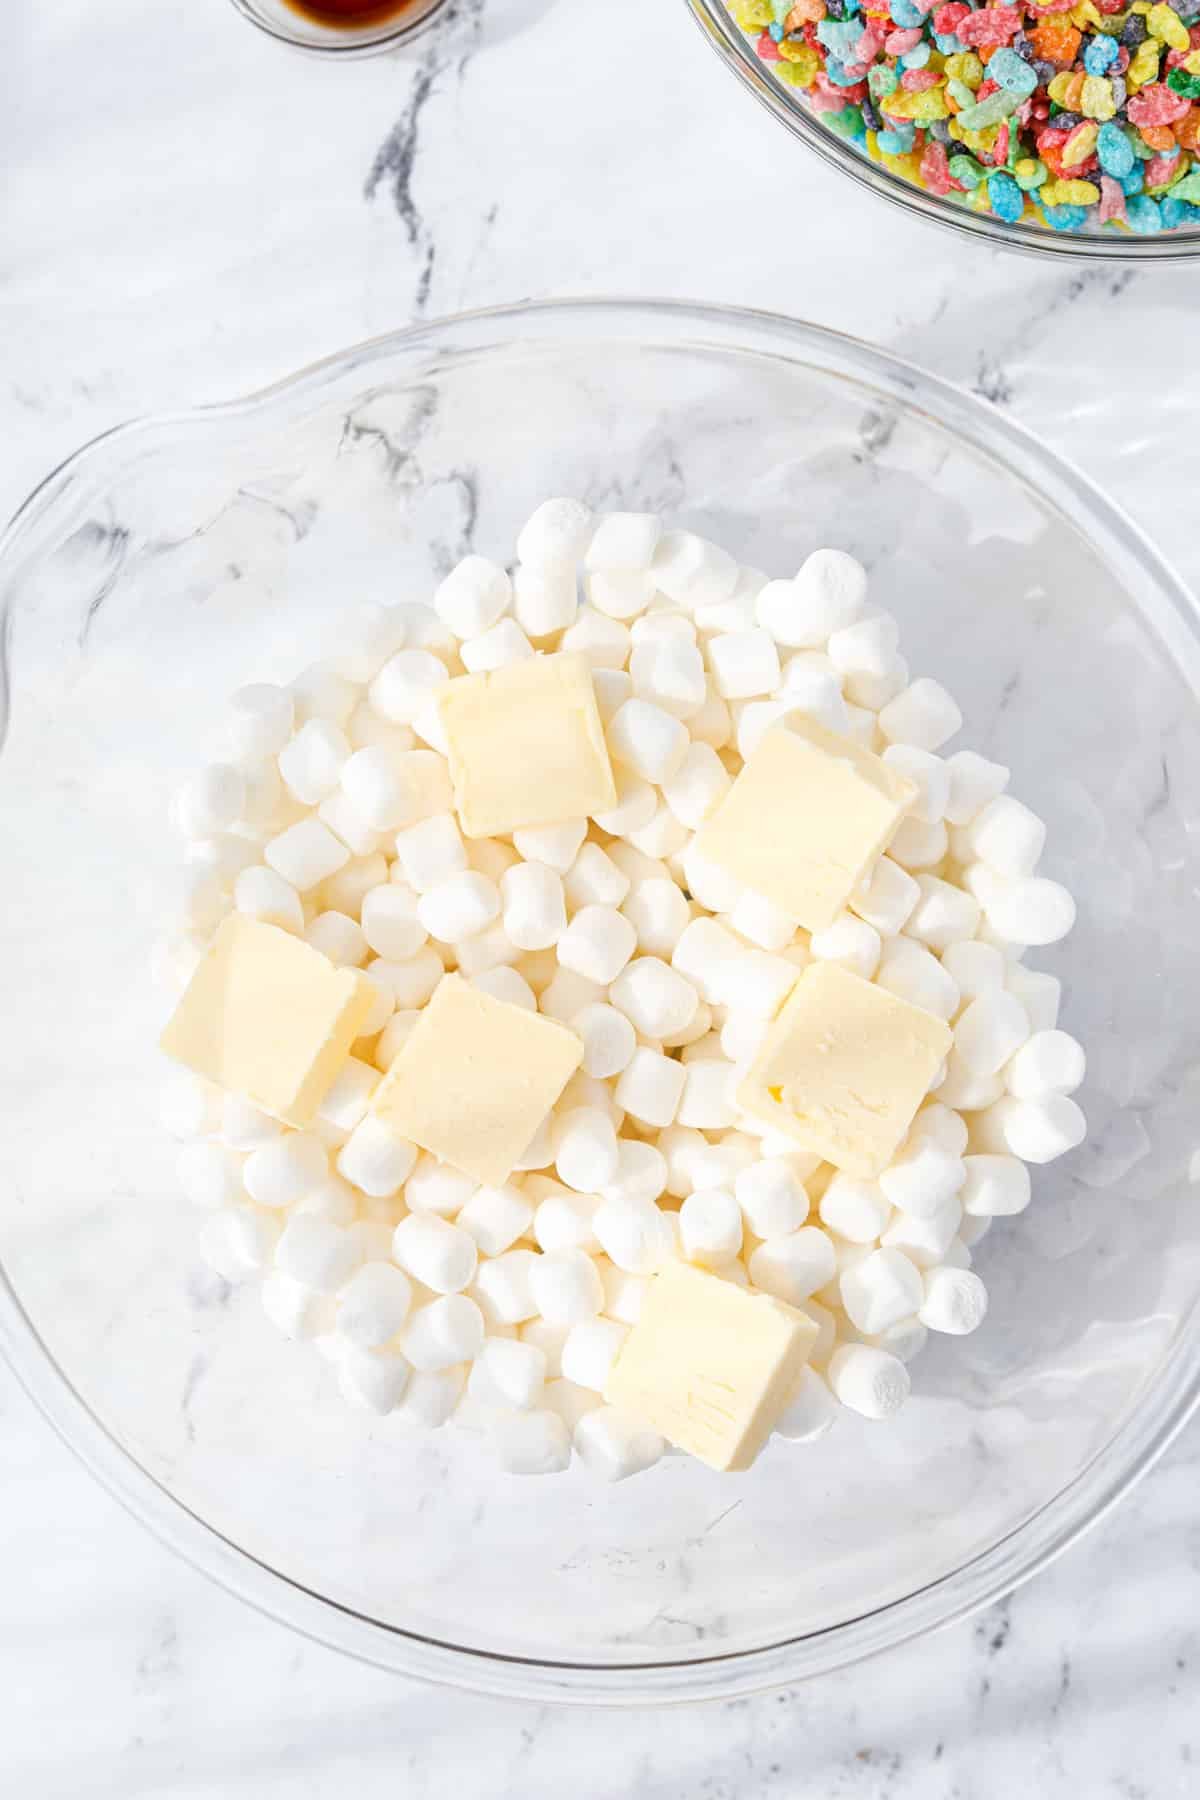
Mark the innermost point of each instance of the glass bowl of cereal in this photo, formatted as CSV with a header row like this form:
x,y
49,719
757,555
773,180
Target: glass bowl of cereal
x,y
180,558
1068,131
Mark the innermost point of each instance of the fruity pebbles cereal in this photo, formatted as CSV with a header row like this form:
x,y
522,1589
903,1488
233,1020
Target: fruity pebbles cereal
x,y
1070,115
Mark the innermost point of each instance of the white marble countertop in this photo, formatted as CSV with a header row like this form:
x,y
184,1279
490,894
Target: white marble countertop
x,y
191,211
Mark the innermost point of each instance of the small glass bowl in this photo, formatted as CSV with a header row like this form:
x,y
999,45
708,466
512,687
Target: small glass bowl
x,y
281,21
791,109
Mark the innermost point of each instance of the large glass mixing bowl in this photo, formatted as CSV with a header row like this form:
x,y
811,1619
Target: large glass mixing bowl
x,y
175,559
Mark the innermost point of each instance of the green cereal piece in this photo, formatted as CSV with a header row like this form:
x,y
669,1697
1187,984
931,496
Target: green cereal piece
x,y
966,170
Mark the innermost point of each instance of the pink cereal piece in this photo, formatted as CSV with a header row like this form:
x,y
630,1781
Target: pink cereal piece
x,y
869,45
1160,169
935,168
917,81
767,48
994,25
1158,105
1000,150
899,43
1112,199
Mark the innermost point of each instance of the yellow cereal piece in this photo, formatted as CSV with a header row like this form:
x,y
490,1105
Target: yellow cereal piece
x,y
753,15
1097,100
1080,145
1164,23
908,166
1143,67
1069,193
929,106
966,67
981,142
1192,63
804,61
1085,15
955,129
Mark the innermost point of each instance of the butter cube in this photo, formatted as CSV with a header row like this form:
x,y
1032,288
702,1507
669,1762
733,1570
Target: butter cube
x,y
844,1068
474,1080
269,1018
709,1366
526,746
806,819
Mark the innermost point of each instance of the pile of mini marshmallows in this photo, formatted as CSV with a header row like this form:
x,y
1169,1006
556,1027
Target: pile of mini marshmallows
x,y
502,1308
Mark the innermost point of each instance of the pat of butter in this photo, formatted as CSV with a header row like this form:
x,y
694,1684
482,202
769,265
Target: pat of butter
x,y
806,819
475,1078
709,1366
844,1068
526,746
268,1017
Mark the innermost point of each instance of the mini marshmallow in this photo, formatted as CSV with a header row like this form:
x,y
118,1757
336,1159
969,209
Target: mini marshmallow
x,y
503,645
623,540
597,944
442,1333
221,858
507,985
708,1101
762,922
322,692
793,1267
609,1039
392,1038
810,1411
955,1301
1037,1131
755,718
409,983
604,642
374,1381
563,1221
936,1123
557,534
713,723
869,1381
887,899
962,1089
531,1443
708,883
585,1149
260,719
507,1372
663,836
621,593
346,1101
311,764
669,673
566,1287
571,1403
1050,1062
772,1197
473,596
549,1340
435,1252
882,1289
741,1036
866,647
975,968
1034,911
502,1288
568,993
264,894
535,914
990,1030
710,1228
637,803
654,996
295,1311
595,880
286,1169
459,907
857,1210
691,571
316,1253
697,786
996,1186
929,774
755,981
369,730
431,852
1007,837
375,1160
943,915
705,954
744,664
211,801
916,845
1038,993
651,1087
913,973
871,692
545,600
624,1294
346,891
406,682
434,1187
340,817
974,783
851,942
589,1352
390,923
306,854
237,1240
613,1446
641,1172
923,1178
817,694
243,1126
333,1199
634,1235
923,715
827,595
430,1397
555,845
925,1239
649,740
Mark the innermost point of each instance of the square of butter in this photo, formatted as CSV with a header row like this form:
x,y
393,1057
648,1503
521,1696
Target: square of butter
x,y
806,819
475,1078
844,1068
268,1017
709,1366
526,746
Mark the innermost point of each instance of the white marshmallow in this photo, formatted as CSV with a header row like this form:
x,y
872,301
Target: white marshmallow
x,y
459,907
346,891
651,1087
929,773
851,942
937,1123
221,858
634,1235
744,664
708,1101
869,1381
755,718
870,692
502,1288
996,1186
333,1199
294,1310
346,1101
817,694
755,982
311,764
868,646
793,1267
648,739
641,1172
531,1443
404,685
1007,836
390,924
659,914
654,996
924,715
613,1446
369,730
427,725
659,627
571,1403
961,1088
306,854
664,835
211,801
549,1340
566,1287
713,724
243,1126
442,1333
975,968
974,783
990,1030
1038,993
507,1372
741,1036
913,973
604,642
609,1039
563,1221
556,846
620,593
882,1289
322,692
375,1160
887,898
430,1397
691,571
545,600
943,915
597,944
535,914
506,984
372,1380
263,894
772,1197
407,984
826,596
435,1252
916,845
762,922
589,1352
697,786
473,596
1050,1062
637,803
286,1169
595,880
585,1149
623,540
504,644
567,994
709,884
1033,911
810,1411
317,1253
955,1301
434,1187
339,815
710,1228
260,719
1037,1131
922,1178
926,1238
384,788
431,852
237,1240
624,1294
857,1210
557,534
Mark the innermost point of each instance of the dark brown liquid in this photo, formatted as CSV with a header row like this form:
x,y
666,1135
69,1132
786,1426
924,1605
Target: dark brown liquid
x,y
350,13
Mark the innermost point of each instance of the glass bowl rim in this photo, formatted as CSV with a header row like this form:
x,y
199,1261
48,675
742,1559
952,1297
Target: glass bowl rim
x,y
721,32
57,505
387,36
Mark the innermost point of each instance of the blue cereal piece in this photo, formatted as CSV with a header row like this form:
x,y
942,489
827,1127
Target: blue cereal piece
x,y
839,74
906,14
1115,151
1066,218
1135,181
775,31
1012,72
917,57
897,140
1178,212
1144,215
838,38
1100,55
1008,202
947,42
